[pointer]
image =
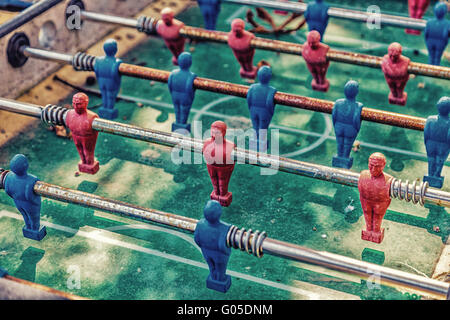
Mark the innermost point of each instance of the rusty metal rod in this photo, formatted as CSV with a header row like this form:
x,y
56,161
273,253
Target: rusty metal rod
x,y
414,192
277,46
238,90
281,98
252,242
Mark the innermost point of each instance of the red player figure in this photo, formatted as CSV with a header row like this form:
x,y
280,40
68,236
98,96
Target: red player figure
x,y
79,121
374,186
315,54
169,29
395,69
417,9
217,153
239,41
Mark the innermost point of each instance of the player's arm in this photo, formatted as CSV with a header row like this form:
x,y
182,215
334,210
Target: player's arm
x,y
357,117
169,82
29,192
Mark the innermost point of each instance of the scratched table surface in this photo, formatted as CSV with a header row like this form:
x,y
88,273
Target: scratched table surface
x,y
104,256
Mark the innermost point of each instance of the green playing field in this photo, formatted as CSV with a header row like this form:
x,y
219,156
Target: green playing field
x,y
119,258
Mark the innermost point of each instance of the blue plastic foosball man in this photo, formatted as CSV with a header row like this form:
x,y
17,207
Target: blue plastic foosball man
x,y
19,186
347,122
316,15
210,235
181,87
437,32
260,100
437,142
210,10
3,273
107,72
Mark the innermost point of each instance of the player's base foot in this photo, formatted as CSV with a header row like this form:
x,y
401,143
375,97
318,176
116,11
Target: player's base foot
x,y
372,236
398,101
3,273
320,87
412,31
435,182
107,113
341,162
89,168
221,286
248,74
224,201
37,235
184,129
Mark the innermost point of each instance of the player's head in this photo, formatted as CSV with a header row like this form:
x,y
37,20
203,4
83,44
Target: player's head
x,y
377,162
238,26
185,60
440,10
313,38
264,74
80,102
212,211
351,89
218,131
110,47
167,15
443,106
19,164
395,51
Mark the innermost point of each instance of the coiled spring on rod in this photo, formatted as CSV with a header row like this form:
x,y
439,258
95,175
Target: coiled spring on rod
x,y
53,115
414,192
147,25
248,241
83,62
3,174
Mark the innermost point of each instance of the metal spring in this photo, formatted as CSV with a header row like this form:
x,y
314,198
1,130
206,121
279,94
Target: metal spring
x,y
243,240
53,115
412,192
147,25
3,174
83,62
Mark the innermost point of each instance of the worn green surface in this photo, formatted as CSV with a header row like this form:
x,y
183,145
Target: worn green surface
x,y
119,258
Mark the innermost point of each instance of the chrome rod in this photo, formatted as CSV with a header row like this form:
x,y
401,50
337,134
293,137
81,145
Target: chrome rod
x,y
106,18
347,14
267,245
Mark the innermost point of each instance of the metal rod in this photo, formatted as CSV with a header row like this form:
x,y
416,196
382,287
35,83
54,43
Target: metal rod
x,y
285,99
415,192
106,18
267,245
283,47
347,14
27,15
42,288
47,55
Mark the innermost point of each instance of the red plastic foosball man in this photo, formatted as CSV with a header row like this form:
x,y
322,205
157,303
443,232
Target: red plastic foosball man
x,y
315,54
79,121
395,69
374,186
417,9
169,29
217,153
239,41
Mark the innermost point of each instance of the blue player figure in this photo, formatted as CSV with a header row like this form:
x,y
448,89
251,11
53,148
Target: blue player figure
x,y
19,186
437,32
347,122
260,100
181,87
210,235
107,72
3,273
437,142
316,15
210,10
